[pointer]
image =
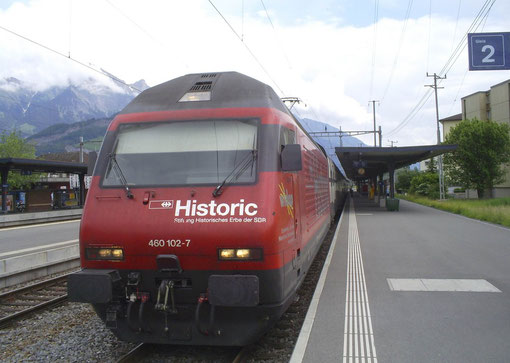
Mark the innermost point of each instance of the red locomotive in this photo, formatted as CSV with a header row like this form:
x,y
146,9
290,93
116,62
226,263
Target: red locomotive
x,y
207,206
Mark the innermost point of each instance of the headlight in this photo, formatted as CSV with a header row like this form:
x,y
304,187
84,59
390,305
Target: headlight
x,y
104,253
227,253
239,254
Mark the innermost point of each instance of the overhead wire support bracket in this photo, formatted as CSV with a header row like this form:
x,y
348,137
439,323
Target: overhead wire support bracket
x,y
292,101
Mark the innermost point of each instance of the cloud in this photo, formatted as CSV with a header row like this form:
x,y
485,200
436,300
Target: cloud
x,y
326,63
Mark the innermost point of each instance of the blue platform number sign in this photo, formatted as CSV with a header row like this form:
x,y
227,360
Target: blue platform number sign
x,y
489,51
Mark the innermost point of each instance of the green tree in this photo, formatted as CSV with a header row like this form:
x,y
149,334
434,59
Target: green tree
x,y
483,148
13,145
404,176
426,184
431,165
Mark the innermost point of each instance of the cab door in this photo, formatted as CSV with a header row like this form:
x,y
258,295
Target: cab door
x,y
289,201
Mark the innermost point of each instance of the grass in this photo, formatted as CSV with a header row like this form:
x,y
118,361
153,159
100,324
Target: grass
x,y
490,210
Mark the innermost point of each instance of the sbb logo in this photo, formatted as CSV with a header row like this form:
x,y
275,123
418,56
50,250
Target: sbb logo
x,y
161,204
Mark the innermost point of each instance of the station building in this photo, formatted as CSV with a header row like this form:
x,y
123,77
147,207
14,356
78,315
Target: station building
x,y
494,105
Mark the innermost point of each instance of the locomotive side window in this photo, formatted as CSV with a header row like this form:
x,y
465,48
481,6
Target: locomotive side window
x,y
184,153
287,136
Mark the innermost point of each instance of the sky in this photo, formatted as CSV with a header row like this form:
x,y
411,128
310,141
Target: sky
x,y
335,55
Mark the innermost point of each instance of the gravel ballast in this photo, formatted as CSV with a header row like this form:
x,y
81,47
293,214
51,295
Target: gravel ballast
x,y
69,333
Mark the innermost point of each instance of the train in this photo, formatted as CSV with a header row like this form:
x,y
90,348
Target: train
x,y
207,205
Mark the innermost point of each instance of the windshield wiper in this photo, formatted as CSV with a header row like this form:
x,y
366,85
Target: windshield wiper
x,y
237,171
120,175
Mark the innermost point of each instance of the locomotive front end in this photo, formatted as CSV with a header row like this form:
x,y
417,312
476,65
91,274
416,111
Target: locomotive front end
x,y
181,235
161,235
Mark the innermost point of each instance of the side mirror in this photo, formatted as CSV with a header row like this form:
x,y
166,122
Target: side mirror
x,y
291,158
92,162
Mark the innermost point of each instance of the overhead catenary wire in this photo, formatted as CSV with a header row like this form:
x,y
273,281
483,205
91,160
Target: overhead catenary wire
x,y
70,58
311,109
285,54
482,14
242,20
428,38
276,35
397,55
486,18
458,91
466,72
423,100
143,30
456,24
132,21
248,48
480,17
286,57
70,25
374,46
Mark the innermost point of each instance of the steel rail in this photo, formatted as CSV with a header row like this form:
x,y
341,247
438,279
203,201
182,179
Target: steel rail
x,y
140,351
4,297
30,287
240,357
134,354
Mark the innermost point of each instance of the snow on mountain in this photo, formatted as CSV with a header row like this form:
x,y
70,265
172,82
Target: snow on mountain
x,y
28,111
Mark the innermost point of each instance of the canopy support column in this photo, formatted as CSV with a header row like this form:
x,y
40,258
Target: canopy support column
x,y
5,174
391,170
82,189
381,187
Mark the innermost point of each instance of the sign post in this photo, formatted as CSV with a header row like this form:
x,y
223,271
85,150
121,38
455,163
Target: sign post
x,y
489,51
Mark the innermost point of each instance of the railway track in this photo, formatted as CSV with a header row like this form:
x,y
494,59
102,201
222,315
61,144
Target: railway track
x,y
154,353
18,303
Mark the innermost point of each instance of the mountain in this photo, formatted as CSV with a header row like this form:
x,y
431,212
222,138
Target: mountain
x,y
61,138
55,119
29,111
65,137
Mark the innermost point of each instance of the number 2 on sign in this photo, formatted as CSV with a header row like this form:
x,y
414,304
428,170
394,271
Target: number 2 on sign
x,y
169,243
488,58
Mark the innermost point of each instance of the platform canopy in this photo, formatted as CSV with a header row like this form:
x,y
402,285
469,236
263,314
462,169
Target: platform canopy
x,y
362,163
369,162
43,166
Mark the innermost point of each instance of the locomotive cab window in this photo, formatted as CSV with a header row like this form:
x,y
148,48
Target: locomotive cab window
x,y
183,153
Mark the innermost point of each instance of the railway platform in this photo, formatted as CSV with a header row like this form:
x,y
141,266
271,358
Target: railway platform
x,y
419,285
22,219
33,245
